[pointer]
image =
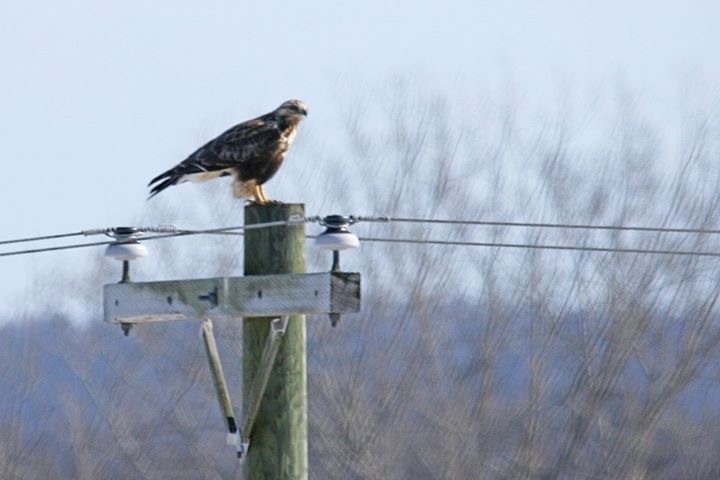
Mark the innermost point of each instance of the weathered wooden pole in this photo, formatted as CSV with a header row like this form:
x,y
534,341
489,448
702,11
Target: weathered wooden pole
x,y
278,441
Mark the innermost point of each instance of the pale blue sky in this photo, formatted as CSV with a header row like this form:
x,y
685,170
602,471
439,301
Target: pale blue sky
x,y
98,97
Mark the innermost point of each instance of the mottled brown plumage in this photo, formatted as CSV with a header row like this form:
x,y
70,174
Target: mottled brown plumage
x,y
251,152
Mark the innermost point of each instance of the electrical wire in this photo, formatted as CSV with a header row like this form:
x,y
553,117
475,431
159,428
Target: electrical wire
x,y
542,247
523,245
576,226
60,247
44,237
221,230
403,240
239,229
179,233
382,218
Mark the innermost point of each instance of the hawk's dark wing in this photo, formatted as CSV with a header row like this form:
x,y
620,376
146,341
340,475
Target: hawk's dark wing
x,y
240,148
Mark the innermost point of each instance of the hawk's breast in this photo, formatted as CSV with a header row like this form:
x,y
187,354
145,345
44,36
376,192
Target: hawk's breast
x,y
289,137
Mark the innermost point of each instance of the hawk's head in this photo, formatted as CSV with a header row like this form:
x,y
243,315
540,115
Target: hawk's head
x,y
292,109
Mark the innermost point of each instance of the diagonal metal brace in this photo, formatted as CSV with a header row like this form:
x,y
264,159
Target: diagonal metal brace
x,y
221,388
272,344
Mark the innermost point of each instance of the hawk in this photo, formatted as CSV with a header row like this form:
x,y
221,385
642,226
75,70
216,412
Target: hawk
x,y
251,152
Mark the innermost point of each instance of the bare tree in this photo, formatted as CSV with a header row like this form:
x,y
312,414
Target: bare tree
x,y
466,362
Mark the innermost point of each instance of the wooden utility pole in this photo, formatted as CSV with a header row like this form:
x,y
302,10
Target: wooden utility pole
x,y
278,448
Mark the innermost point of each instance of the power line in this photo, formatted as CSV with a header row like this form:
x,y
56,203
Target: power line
x,y
524,245
542,247
238,230
87,233
178,233
171,230
61,247
397,240
44,237
570,226
174,231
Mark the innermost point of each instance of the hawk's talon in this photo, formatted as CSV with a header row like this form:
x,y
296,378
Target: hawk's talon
x,y
255,201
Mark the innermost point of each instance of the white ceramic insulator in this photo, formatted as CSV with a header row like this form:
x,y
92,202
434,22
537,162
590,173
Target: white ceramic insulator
x,y
126,251
337,241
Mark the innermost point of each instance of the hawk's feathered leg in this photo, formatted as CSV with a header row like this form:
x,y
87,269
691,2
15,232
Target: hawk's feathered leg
x,y
258,195
265,198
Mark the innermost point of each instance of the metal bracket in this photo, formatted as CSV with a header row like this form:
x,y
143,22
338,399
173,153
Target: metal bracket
x,y
278,326
221,388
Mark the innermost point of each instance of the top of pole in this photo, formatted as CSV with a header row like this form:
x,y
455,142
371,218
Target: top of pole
x,y
263,253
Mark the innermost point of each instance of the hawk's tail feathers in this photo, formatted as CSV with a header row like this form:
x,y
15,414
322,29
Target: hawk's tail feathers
x,y
168,180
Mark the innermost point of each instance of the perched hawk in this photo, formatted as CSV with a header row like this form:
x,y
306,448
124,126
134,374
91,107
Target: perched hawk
x,y
251,152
